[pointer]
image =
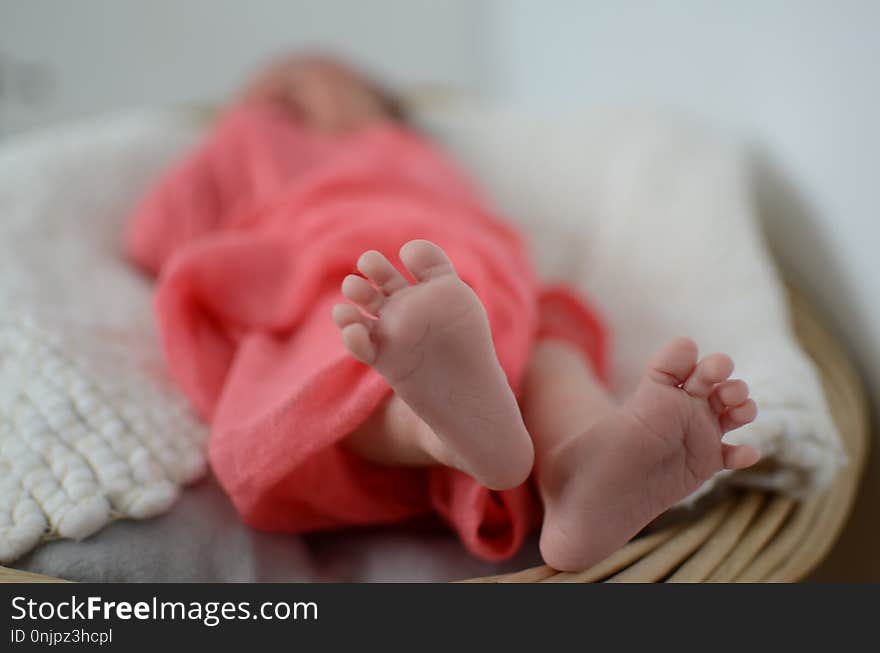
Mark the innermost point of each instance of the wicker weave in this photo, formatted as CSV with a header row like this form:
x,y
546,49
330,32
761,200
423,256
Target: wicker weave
x,y
752,536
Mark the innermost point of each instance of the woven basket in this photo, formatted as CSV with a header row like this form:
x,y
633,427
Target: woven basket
x,y
752,536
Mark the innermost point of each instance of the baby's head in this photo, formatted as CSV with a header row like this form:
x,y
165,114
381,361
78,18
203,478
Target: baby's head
x,y
327,94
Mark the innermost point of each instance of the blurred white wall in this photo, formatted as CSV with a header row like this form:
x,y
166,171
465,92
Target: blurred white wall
x,y
800,79
63,59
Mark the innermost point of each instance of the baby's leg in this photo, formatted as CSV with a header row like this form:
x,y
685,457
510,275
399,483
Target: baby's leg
x,y
394,435
431,341
561,398
605,470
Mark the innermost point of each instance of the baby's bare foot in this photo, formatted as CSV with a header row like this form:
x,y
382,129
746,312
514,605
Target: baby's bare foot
x,y
602,487
431,342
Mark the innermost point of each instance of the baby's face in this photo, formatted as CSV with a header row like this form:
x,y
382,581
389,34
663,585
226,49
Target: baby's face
x,y
324,93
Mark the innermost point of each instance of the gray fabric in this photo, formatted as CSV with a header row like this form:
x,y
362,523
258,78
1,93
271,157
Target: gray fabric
x,y
202,539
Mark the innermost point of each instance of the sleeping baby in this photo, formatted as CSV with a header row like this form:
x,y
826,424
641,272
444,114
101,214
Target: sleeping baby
x,y
370,343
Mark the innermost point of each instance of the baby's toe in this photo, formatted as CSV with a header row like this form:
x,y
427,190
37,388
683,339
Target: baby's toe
x,y
357,338
739,415
378,269
345,314
425,260
362,292
710,371
739,456
674,362
729,393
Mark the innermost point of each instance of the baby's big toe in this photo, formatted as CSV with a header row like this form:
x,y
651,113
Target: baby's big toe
x,y
425,260
674,362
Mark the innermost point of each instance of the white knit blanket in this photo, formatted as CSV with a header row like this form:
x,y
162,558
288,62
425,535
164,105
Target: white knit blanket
x,y
90,427
652,220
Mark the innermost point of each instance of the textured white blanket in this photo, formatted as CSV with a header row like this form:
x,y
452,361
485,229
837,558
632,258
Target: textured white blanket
x,y
90,427
650,218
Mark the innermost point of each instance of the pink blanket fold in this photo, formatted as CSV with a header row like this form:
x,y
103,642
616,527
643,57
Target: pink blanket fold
x,y
250,237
